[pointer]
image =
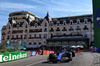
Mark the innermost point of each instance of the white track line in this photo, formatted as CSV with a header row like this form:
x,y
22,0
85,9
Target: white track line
x,y
36,63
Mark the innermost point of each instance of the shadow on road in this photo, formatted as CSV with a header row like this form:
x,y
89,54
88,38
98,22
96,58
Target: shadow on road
x,y
46,62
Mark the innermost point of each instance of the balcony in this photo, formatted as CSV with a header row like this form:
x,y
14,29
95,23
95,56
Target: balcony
x,y
78,29
64,29
3,33
34,37
36,30
71,29
58,30
67,35
51,30
15,38
85,28
18,31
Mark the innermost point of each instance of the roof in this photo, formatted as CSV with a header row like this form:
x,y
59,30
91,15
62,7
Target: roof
x,y
47,17
74,17
23,12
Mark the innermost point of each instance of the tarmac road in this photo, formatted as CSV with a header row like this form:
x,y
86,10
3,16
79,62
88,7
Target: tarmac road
x,y
81,59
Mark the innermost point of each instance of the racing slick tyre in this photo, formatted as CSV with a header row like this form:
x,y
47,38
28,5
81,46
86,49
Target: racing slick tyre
x,y
52,58
73,53
70,57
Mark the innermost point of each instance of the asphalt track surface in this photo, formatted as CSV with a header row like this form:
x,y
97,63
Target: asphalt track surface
x,y
81,59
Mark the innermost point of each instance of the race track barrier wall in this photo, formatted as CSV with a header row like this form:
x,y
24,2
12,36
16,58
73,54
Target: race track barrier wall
x,y
10,56
77,51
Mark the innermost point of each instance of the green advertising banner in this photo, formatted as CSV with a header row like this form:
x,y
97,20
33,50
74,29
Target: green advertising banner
x,y
96,20
4,57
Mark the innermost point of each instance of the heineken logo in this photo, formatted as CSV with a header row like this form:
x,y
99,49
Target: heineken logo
x,y
10,57
98,17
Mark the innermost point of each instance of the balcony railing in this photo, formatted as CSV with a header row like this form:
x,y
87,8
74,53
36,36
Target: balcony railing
x,y
15,38
71,29
85,28
3,33
78,29
35,31
34,37
58,30
64,29
51,30
67,35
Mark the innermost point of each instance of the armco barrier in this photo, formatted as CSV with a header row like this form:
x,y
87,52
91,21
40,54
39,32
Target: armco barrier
x,y
9,56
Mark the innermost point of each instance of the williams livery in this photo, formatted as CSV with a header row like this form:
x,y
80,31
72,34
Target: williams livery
x,y
64,55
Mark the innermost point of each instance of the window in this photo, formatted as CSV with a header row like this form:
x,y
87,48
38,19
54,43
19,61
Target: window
x,y
45,35
71,23
78,22
51,28
21,36
26,26
8,37
12,36
85,35
85,26
58,29
78,27
58,34
45,24
30,36
9,27
8,32
30,43
51,24
64,23
51,35
40,35
34,35
34,43
45,30
71,28
16,36
24,36
39,43
85,21
25,31
57,24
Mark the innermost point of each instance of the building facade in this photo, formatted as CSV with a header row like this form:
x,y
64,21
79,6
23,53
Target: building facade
x,y
35,31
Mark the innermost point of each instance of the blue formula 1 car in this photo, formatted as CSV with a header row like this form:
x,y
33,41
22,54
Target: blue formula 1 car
x,y
61,56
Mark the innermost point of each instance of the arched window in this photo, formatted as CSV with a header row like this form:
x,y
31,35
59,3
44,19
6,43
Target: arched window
x,y
34,43
39,43
30,43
